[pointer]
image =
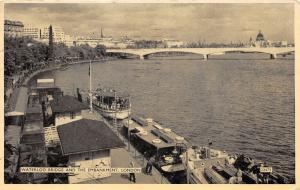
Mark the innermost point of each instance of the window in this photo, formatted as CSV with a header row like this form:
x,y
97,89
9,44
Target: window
x,y
87,158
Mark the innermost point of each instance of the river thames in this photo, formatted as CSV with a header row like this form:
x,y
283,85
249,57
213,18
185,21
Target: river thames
x,y
244,103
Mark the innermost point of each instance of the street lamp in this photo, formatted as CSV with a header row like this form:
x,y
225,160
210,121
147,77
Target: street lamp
x,y
128,127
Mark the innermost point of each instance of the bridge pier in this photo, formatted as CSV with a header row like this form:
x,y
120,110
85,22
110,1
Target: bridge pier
x,y
142,57
205,57
273,56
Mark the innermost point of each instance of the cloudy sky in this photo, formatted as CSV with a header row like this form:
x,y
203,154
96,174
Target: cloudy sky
x,y
187,22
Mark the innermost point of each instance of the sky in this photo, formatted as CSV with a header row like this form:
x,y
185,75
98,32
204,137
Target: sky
x,y
221,23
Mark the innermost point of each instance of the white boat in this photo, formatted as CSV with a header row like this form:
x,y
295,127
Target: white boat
x,y
118,114
111,104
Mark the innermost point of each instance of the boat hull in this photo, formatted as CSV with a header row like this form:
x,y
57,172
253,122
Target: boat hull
x,y
123,114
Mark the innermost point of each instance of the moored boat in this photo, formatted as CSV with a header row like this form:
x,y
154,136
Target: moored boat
x,y
153,140
181,162
210,166
110,104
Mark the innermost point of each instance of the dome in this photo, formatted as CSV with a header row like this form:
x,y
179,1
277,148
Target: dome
x,y
260,37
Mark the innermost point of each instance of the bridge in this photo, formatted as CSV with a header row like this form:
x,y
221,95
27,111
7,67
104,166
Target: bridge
x,y
142,53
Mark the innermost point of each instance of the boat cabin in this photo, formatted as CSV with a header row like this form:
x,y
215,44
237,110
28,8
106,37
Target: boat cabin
x,y
151,139
109,99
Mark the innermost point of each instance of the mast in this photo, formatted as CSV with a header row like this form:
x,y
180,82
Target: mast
x,y
91,96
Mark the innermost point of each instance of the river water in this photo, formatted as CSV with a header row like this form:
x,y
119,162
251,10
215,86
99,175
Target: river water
x,y
244,103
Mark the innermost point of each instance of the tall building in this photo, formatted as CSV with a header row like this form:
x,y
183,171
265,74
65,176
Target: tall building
x,y
32,32
13,28
69,40
58,34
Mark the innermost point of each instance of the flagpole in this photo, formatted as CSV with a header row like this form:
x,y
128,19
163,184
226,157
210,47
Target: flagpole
x,y
91,97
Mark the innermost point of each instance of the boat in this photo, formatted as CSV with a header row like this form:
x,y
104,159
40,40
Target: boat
x,y
181,162
153,140
211,166
111,104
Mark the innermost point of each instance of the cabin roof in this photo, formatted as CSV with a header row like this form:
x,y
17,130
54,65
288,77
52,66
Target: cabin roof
x,y
153,132
86,135
36,138
66,104
111,93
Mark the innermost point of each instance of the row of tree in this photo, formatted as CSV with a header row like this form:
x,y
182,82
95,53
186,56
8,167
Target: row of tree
x,y
21,54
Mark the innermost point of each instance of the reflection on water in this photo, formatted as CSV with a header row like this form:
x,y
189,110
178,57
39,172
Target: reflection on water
x,y
245,106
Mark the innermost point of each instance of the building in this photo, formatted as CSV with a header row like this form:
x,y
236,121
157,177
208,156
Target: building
x,y
66,109
32,32
13,28
260,41
107,42
62,110
46,90
58,34
173,43
70,40
88,144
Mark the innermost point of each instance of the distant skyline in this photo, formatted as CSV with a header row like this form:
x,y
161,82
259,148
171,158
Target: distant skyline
x,y
220,23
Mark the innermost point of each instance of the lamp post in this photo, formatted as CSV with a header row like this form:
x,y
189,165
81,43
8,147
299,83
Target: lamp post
x,y
128,127
90,94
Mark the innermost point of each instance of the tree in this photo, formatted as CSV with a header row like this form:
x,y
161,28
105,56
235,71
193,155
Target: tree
x,y
100,50
50,47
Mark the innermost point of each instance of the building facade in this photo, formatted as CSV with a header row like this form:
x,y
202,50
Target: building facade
x,y
58,34
13,28
173,43
32,32
62,110
88,144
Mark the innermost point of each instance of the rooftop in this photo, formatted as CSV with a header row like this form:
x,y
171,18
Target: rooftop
x,y
18,102
86,135
32,139
67,104
153,131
